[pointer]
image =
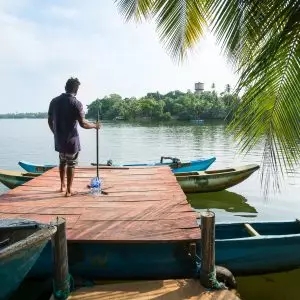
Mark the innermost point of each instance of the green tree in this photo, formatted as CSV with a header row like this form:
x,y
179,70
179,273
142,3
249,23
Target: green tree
x,y
261,39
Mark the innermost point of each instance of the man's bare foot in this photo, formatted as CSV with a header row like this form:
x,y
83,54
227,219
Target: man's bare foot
x,y
62,188
70,193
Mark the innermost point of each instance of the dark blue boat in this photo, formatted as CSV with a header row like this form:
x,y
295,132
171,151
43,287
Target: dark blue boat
x,y
255,248
238,248
21,243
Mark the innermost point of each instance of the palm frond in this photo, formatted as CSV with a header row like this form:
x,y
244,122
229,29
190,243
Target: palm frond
x,y
270,107
180,24
262,41
135,9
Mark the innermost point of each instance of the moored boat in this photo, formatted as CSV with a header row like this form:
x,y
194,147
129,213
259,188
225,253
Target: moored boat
x,y
35,168
12,179
214,180
175,164
251,248
258,247
21,243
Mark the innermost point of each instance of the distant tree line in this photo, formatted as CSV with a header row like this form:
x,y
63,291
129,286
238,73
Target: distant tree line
x,y
39,115
173,105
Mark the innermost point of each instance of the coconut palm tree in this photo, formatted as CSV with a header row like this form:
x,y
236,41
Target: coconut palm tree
x,y
261,39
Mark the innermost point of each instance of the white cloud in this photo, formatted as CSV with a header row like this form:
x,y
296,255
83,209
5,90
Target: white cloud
x,y
44,43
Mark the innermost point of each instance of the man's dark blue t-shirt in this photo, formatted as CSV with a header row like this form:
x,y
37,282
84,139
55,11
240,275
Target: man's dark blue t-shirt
x,y
64,111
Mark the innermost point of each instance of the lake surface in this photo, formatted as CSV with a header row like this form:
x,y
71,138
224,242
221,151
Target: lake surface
x,y
32,140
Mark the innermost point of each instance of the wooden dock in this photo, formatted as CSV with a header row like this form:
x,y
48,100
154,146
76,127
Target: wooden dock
x,y
144,207
157,289
142,204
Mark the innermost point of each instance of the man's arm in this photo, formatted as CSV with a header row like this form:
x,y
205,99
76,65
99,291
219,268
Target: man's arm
x,y
50,118
87,125
82,120
50,123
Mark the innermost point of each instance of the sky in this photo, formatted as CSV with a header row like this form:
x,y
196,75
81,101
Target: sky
x,y
43,43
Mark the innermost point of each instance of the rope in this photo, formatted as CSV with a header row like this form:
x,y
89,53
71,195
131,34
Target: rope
x,y
198,266
214,283
64,294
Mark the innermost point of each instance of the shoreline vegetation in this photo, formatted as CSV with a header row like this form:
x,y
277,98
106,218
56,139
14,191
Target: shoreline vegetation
x,y
175,105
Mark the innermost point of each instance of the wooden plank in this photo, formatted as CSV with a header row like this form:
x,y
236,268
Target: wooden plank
x,y
187,289
70,219
88,200
109,188
139,231
251,230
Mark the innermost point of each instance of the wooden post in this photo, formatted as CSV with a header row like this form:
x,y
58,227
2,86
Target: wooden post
x,y
207,271
60,255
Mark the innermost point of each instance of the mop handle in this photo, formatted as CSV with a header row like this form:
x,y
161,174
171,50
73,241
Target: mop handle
x,y
97,146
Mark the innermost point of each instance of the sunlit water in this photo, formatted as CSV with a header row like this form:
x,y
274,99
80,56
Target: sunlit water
x,y
32,140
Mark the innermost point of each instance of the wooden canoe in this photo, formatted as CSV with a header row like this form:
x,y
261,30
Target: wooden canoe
x,y
21,243
12,179
258,247
35,168
214,180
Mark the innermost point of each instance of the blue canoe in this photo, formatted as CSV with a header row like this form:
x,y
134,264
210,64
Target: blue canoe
x,y
35,168
21,243
175,164
238,249
255,248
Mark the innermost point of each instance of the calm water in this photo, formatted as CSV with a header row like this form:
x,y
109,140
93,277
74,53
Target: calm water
x,y
31,140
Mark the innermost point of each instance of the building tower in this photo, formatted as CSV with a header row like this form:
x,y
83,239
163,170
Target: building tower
x,y
199,88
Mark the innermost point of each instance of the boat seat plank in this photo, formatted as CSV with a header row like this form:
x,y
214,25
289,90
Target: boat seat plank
x,y
251,230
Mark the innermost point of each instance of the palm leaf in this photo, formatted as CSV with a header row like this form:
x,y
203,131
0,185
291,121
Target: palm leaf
x,y
180,23
270,109
262,41
135,9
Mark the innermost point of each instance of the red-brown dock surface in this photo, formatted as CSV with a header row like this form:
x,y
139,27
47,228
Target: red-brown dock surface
x,y
142,204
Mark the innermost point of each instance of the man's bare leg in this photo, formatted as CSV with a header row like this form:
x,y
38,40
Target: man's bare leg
x,y
70,177
62,174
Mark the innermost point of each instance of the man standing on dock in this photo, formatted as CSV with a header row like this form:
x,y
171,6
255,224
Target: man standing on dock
x,y
63,114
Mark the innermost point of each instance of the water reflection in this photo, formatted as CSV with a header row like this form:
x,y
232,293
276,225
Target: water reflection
x,y
226,200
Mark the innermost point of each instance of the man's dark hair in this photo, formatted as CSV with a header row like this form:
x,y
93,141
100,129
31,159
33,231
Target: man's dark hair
x,y
72,85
